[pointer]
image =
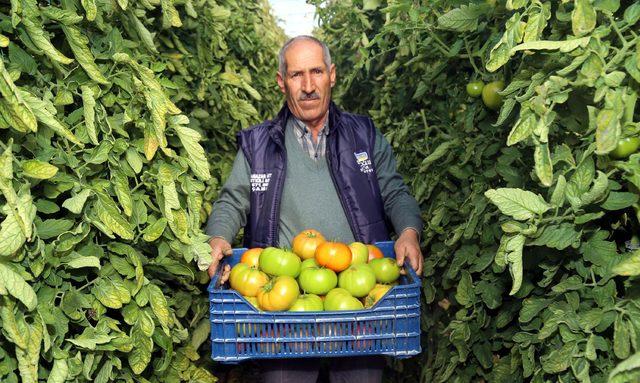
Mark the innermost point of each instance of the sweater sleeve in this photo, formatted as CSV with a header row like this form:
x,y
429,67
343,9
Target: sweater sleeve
x,y
399,205
230,210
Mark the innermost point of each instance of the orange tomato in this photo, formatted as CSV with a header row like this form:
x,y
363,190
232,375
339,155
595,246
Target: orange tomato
x,y
305,243
334,255
251,256
374,252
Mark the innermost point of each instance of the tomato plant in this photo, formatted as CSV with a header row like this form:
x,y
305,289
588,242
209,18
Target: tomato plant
x,y
317,280
333,255
276,262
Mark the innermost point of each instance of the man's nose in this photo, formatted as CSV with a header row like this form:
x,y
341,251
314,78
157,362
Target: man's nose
x,y
307,84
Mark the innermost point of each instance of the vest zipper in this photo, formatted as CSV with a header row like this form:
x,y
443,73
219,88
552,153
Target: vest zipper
x,y
347,213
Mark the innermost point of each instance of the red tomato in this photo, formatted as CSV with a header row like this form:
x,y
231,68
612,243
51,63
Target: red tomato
x,y
251,256
374,252
305,243
334,255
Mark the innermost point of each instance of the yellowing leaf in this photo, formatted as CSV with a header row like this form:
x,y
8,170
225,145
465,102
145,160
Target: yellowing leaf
x,y
38,169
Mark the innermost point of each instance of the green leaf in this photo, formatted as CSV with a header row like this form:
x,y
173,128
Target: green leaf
x,y
557,236
558,360
13,284
517,203
79,45
572,283
51,228
557,197
140,356
608,131
629,265
620,373
159,305
155,230
38,169
621,340
543,164
523,128
531,307
77,261
368,5
619,200
59,372
464,294
89,104
463,19
583,17
632,14
197,158
76,203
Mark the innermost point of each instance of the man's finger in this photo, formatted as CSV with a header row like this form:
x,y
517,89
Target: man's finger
x,y
400,255
228,252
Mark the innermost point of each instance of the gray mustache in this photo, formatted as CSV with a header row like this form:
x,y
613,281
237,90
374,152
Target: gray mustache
x,y
310,96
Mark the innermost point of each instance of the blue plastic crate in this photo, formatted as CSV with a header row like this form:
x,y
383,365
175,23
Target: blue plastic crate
x,y
240,332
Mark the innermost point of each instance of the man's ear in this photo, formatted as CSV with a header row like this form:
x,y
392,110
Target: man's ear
x,y
280,82
332,74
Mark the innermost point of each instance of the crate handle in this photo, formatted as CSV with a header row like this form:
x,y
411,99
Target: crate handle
x,y
216,277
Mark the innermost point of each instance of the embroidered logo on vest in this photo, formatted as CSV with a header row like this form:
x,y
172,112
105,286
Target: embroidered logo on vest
x,y
260,182
364,162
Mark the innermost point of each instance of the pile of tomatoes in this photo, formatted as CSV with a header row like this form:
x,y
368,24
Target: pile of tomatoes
x,y
315,275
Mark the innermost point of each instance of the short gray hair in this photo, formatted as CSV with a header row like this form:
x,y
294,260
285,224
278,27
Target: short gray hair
x,y
282,63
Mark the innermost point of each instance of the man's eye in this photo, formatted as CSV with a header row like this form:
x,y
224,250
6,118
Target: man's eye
x,y
297,74
317,71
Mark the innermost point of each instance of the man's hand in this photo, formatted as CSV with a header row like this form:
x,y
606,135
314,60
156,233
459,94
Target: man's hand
x,y
408,247
219,248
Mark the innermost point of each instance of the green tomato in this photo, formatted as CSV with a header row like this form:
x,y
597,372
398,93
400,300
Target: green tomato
x,y
474,88
308,263
340,299
317,280
385,269
625,148
308,302
490,96
358,280
277,262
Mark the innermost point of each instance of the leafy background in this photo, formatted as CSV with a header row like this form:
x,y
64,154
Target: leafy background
x,y
530,226
117,126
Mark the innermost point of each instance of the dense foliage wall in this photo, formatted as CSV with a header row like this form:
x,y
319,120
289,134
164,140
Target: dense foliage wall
x,y
109,111
531,223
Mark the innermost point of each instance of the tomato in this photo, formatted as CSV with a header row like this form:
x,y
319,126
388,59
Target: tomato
x,y
307,302
305,243
374,252
376,294
247,280
279,262
340,299
279,294
308,263
385,269
358,280
625,148
474,88
490,96
334,255
251,256
359,253
317,280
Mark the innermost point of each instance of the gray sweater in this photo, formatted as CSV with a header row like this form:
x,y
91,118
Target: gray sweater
x,y
309,198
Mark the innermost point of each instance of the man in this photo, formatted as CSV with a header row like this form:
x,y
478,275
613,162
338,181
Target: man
x,y
314,167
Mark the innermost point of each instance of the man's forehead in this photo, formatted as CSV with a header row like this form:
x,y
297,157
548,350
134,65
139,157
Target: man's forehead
x,y
304,54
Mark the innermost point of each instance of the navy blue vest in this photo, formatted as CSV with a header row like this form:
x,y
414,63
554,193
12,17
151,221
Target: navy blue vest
x,y
349,154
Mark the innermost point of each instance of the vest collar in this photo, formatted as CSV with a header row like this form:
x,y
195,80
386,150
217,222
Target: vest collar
x,y
276,130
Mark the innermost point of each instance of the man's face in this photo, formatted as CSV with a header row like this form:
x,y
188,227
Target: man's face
x,y
308,82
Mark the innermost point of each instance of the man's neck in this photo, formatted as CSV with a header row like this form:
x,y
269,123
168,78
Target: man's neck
x,y
316,126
